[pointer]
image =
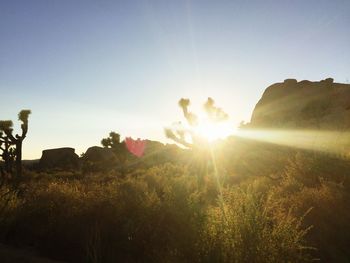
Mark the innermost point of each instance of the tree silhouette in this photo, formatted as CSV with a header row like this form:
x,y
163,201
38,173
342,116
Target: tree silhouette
x,y
7,152
190,117
3,155
179,134
17,140
113,142
214,113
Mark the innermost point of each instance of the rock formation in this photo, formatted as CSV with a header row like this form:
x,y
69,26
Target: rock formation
x,y
60,158
303,105
99,159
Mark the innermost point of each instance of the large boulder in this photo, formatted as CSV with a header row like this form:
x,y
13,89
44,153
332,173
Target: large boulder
x,y
304,105
59,158
99,159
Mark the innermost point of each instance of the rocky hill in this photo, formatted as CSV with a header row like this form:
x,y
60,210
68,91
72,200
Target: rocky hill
x,y
304,105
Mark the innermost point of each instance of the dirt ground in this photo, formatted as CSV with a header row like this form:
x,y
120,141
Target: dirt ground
x,y
21,255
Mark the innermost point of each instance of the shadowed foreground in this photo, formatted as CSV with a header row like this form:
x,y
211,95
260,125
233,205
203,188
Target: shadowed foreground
x,y
15,255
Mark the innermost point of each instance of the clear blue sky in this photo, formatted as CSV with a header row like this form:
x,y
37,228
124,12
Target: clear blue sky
x,y
85,68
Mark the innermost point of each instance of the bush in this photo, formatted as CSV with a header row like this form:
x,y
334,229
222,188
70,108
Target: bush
x,y
246,229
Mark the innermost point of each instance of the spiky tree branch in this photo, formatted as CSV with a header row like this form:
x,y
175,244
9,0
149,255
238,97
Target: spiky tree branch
x,y
178,133
7,128
214,113
178,137
6,152
2,149
190,117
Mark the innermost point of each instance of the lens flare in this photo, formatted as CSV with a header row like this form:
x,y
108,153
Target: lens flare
x,y
333,142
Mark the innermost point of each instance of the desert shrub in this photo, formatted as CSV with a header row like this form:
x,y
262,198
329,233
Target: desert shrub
x,y
152,217
9,202
166,214
329,215
173,228
245,229
309,168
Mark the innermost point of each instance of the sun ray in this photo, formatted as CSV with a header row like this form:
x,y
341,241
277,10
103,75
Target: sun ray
x,y
212,131
332,142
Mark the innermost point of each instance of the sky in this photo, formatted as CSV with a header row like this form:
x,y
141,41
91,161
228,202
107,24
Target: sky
x,y
86,68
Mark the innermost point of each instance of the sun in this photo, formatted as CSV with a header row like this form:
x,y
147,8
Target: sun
x,y
212,131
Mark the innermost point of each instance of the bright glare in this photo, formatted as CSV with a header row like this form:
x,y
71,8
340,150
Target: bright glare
x,y
212,131
334,142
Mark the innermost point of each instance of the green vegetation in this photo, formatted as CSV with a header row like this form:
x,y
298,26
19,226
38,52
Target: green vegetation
x,y
262,203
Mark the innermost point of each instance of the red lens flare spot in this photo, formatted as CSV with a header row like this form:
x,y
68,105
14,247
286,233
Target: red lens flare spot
x,y
136,147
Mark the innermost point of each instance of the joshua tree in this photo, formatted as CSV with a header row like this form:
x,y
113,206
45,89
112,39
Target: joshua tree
x,y
215,114
189,138
7,152
178,133
3,154
6,127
